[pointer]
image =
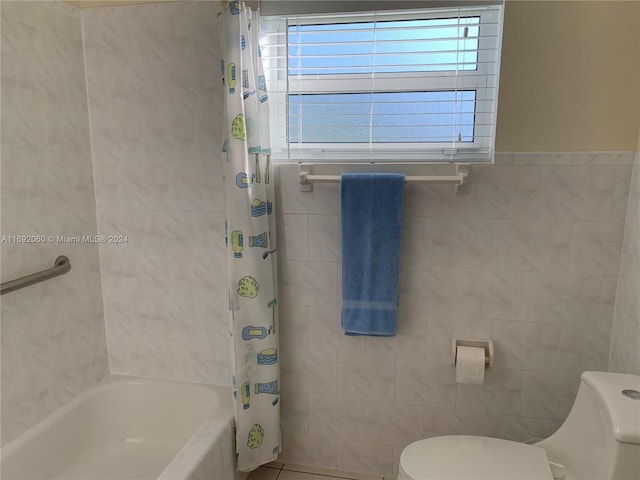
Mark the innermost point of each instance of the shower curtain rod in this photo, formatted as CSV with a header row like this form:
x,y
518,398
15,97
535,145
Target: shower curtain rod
x,y
460,179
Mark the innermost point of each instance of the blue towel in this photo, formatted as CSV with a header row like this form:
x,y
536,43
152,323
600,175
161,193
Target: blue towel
x,y
371,215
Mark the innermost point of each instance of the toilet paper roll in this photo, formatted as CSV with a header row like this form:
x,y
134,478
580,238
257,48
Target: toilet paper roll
x,y
470,365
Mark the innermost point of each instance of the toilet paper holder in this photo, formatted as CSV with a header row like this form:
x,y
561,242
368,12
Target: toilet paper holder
x,y
479,343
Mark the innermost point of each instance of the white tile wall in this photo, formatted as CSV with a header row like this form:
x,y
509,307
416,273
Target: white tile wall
x,y
625,341
529,258
53,338
155,104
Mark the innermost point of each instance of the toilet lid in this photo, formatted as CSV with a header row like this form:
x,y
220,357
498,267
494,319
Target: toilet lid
x,y
461,457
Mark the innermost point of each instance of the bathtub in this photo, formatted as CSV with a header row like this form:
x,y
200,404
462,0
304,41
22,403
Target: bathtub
x,y
127,428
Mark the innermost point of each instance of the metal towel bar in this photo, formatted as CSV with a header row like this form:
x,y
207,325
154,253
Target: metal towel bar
x,y
62,266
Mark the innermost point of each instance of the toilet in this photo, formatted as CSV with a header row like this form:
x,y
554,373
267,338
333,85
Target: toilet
x,y
599,440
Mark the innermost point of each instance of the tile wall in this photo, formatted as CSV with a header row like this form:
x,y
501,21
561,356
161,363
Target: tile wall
x,y
625,338
53,338
155,102
529,258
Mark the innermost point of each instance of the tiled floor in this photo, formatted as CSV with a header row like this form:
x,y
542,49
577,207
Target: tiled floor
x,y
277,471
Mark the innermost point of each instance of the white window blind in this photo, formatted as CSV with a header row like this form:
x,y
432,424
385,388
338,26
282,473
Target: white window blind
x,y
410,86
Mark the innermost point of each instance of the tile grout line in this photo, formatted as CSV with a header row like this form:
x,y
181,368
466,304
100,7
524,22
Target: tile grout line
x,y
323,475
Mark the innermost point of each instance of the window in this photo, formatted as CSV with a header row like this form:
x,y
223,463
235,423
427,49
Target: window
x,y
412,86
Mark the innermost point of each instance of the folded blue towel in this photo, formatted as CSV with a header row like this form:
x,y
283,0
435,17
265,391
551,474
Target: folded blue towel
x,y
371,215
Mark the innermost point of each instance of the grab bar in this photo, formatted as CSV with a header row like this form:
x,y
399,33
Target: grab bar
x,y
62,266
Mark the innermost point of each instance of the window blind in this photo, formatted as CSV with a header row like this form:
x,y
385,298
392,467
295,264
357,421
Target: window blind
x,y
307,7
410,86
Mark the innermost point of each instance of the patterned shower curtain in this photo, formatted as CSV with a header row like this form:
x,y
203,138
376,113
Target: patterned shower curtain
x,y
250,236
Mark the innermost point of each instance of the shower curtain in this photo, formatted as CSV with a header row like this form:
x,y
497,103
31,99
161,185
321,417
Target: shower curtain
x,y
250,236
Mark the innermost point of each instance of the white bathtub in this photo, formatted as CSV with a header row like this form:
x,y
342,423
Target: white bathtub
x,y
127,428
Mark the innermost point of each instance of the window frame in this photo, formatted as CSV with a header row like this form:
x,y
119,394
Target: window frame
x,y
482,147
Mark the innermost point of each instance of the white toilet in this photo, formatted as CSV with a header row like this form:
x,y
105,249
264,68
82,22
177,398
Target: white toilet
x,y
599,440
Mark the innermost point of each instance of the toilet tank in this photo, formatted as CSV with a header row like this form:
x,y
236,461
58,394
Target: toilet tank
x,y
600,439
